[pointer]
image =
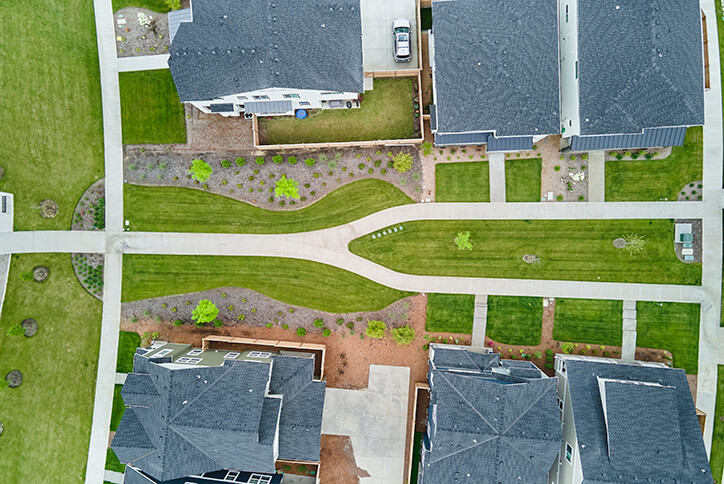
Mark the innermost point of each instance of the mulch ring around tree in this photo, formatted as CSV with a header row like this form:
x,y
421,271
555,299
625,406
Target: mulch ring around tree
x,y
40,273
14,378
88,269
619,243
30,326
48,208
89,213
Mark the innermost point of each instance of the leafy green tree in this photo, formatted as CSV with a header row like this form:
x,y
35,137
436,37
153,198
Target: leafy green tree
x,y
462,240
403,335
200,170
15,330
402,162
376,329
205,312
287,187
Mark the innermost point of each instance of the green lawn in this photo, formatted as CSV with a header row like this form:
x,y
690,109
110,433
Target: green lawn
x,y
656,179
592,321
717,442
515,320
155,5
48,418
450,313
112,462
51,122
385,113
522,180
579,250
118,408
170,209
292,281
127,343
150,108
671,326
462,182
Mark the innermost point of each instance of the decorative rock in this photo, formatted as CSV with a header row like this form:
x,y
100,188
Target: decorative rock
x,y
619,243
14,378
530,259
30,326
2,428
48,208
40,273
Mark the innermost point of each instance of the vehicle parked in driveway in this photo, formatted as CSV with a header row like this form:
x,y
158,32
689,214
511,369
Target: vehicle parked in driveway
x,y
402,32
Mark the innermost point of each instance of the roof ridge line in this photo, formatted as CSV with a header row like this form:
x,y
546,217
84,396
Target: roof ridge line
x,y
468,402
525,411
465,449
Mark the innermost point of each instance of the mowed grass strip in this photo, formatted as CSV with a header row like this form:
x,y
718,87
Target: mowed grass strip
x,y
48,418
522,180
385,113
172,209
515,320
52,128
462,182
577,250
717,440
592,321
151,111
450,313
670,326
657,179
292,281
128,341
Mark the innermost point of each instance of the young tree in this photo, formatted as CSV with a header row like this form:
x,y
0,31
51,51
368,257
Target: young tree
x,y
462,240
635,244
200,170
402,162
376,329
205,312
287,187
15,330
404,335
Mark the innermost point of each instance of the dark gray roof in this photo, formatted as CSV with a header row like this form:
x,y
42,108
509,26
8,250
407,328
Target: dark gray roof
x,y
461,139
175,17
653,432
651,138
487,430
139,390
136,476
516,143
233,46
640,65
496,67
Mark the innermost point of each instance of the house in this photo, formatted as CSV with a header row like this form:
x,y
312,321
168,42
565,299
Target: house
x,y
632,73
627,421
495,73
489,420
267,57
203,413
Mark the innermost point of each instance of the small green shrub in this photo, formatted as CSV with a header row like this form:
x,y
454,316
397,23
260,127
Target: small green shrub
x,y
277,159
557,168
340,321
404,335
240,161
310,161
402,162
292,160
318,323
326,332
200,170
269,325
259,160
226,163
177,322
301,332
376,329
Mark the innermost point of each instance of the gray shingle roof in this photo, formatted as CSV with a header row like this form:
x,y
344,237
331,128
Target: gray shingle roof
x,y
651,138
640,65
139,390
233,46
496,67
489,431
643,435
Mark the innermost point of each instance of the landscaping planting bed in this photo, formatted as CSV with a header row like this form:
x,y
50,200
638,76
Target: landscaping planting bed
x,y
717,440
140,31
88,269
90,212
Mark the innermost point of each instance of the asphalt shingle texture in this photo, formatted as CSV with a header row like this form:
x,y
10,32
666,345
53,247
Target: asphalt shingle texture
x,y
496,67
237,46
640,65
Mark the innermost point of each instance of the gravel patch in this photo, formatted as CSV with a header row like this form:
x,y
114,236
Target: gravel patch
x,y
134,39
691,191
88,269
89,203
556,171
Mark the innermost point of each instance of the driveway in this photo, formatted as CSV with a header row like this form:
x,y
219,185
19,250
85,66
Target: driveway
x,y
375,420
377,41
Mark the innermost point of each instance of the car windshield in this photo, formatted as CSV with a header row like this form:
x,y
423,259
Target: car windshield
x,y
402,30
402,37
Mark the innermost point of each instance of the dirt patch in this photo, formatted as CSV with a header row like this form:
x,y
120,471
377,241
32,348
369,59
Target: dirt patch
x,y
90,212
338,463
531,259
140,31
237,175
691,191
88,269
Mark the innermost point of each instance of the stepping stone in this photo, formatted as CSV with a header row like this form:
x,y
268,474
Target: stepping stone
x,y
400,227
395,229
374,236
379,234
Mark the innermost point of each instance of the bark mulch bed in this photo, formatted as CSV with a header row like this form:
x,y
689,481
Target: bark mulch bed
x,y
88,269
134,39
247,181
89,213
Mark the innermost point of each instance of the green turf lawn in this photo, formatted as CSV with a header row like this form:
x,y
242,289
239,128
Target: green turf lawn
x,y
51,122
385,113
155,5
112,462
656,179
522,180
462,182
591,321
127,343
717,442
515,320
450,313
171,209
118,408
580,250
48,418
150,108
293,281
671,326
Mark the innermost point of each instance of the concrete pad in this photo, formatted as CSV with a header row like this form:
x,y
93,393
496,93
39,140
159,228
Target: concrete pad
x,y
377,38
596,176
480,319
496,165
628,347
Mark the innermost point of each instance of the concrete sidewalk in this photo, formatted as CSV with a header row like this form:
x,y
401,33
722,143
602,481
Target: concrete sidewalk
x,y
496,164
596,176
143,63
480,320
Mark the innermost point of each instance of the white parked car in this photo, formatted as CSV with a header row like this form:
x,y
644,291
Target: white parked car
x,y
402,32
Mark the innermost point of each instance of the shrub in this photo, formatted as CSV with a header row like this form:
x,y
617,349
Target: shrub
x,y
567,348
287,187
157,318
134,319
402,162
559,198
635,244
557,168
426,148
226,163
326,332
619,156
277,159
15,330
205,312
178,322
260,160
340,321
318,323
350,325
173,4
462,240
200,170
240,161
648,156
301,332
376,329
403,335
309,161
269,325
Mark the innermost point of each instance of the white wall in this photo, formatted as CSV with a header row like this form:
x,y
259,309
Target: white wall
x,y
568,473
568,33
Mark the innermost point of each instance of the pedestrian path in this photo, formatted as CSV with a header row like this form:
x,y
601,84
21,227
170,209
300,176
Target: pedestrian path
x,y
496,164
596,176
480,319
628,347
114,477
143,63
121,378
